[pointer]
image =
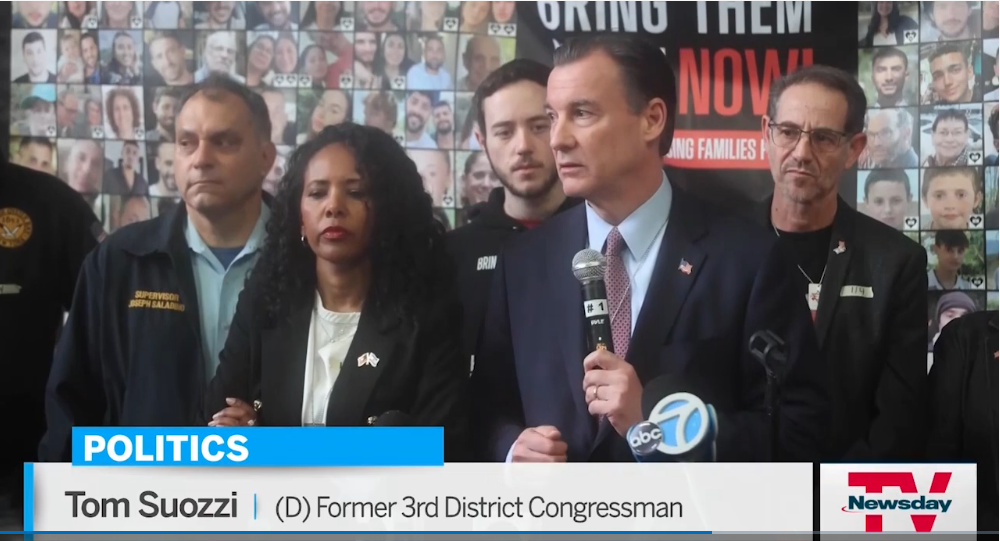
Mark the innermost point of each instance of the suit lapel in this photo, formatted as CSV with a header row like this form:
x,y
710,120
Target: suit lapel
x,y
568,304
283,360
837,262
678,265
377,343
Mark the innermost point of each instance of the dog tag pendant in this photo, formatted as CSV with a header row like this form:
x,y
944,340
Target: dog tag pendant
x,y
812,298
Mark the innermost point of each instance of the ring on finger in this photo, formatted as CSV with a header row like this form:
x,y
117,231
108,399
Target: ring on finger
x,y
594,394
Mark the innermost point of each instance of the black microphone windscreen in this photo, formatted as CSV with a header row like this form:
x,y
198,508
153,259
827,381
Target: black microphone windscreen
x,y
393,418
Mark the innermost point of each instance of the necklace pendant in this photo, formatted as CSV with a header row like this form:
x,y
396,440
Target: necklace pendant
x,y
812,297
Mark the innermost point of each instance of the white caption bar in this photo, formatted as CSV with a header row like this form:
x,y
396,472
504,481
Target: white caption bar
x,y
456,497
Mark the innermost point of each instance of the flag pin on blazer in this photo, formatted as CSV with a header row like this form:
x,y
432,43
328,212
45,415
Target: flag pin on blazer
x,y
841,248
685,267
368,359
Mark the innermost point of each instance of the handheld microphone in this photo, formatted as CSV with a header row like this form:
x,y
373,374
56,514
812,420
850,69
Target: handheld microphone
x,y
392,418
680,426
588,268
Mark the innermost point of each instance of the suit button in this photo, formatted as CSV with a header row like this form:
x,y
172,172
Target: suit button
x,y
371,420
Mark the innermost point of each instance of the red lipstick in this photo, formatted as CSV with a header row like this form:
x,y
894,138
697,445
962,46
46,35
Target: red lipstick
x,y
335,233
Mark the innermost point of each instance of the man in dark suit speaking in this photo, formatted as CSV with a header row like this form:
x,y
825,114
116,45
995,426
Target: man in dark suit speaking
x,y
687,287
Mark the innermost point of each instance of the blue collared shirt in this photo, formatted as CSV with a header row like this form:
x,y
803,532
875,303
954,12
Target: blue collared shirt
x,y
419,78
219,288
643,232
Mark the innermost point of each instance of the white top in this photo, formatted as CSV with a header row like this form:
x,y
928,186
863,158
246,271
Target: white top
x,y
889,39
330,336
933,284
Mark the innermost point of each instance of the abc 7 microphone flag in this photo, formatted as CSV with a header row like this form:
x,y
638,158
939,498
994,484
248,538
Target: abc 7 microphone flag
x,y
680,426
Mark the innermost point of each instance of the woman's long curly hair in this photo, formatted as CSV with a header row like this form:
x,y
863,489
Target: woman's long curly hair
x,y
410,264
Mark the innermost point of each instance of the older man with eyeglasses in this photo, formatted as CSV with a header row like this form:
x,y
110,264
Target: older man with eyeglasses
x,y
864,281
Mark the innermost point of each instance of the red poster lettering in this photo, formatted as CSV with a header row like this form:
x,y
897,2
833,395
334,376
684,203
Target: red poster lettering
x,y
720,73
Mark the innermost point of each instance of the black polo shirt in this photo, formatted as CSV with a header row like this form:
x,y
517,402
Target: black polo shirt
x,y
46,230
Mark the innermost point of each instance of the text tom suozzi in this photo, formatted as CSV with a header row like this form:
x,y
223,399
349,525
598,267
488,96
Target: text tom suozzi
x,y
151,505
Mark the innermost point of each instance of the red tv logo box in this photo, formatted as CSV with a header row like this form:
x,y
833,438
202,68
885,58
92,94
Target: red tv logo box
x,y
898,497
875,482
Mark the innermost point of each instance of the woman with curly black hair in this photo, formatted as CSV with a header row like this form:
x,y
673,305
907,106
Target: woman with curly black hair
x,y
350,311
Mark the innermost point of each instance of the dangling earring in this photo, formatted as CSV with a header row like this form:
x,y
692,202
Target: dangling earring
x,y
303,239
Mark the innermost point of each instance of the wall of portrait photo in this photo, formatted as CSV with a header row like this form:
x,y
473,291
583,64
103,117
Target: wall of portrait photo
x,y
94,88
930,168
97,84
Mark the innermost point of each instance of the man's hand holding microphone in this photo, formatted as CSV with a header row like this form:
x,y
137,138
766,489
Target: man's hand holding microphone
x,y
612,389
610,384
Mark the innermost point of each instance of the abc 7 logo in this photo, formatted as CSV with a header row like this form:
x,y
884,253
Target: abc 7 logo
x,y
645,437
676,425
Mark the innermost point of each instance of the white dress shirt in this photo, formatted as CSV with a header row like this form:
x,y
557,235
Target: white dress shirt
x,y
330,336
643,232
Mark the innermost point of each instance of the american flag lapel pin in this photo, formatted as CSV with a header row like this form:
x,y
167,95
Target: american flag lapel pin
x,y
841,248
685,267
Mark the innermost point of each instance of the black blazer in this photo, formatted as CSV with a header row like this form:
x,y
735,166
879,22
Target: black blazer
x,y
875,348
694,325
421,370
962,410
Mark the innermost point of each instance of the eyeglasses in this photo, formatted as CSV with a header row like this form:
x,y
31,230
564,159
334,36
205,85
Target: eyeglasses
x,y
886,135
823,140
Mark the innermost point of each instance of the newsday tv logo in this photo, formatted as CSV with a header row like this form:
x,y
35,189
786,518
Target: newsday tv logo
x,y
898,497
876,482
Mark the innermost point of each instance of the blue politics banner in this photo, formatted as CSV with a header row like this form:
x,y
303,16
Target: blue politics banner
x,y
259,446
